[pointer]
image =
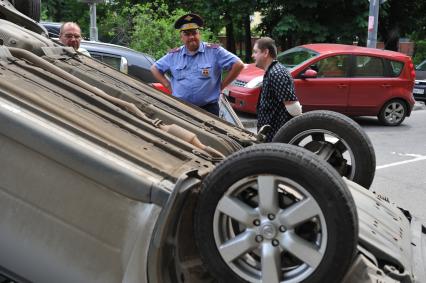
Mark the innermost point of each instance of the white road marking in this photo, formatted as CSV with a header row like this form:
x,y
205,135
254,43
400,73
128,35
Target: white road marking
x,y
417,157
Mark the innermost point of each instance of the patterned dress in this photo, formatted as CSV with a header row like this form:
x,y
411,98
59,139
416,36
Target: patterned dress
x,y
277,87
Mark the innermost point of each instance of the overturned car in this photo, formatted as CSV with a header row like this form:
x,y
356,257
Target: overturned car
x,y
104,179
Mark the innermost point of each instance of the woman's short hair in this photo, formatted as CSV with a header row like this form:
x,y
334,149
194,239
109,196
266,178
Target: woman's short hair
x,y
267,43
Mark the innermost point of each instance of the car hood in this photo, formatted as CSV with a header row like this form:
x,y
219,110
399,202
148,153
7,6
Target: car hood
x,y
250,72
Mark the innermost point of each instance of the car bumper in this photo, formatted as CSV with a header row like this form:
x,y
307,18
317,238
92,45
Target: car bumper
x,y
242,99
419,91
389,235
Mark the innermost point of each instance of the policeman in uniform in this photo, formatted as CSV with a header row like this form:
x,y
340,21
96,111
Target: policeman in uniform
x,y
196,67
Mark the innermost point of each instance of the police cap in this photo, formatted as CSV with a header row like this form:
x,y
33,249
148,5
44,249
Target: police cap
x,y
189,21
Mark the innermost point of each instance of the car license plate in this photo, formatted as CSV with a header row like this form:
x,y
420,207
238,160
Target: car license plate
x,y
418,91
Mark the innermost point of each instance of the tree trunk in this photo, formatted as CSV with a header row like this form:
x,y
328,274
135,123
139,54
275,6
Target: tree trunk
x,y
230,38
247,38
391,39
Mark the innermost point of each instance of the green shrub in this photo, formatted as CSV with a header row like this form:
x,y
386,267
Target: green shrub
x,y
420,52
153,29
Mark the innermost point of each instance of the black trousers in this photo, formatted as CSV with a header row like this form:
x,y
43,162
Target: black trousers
x,y
212,108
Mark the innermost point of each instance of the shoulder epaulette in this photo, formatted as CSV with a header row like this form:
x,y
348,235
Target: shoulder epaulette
x,y
212,45
174,50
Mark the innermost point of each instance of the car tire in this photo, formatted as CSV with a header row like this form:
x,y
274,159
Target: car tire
x,y
235,232
393,112
30,8
337,139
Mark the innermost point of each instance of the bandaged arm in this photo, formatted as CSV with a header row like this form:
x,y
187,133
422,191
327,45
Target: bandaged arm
x,y
293,107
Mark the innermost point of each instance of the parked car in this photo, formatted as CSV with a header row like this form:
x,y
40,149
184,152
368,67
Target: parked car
x,y
129,61
105,179
420,83
53,28
419,90
364,82
421,71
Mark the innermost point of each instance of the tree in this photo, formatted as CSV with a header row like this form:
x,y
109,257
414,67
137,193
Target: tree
x,y
153,28
289,22
292,23
66,11
395,21
233,15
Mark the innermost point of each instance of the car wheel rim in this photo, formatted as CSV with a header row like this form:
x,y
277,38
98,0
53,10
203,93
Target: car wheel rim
x,y
394,113
330,147
270,229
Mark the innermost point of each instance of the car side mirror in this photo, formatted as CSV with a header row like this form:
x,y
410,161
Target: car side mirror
x,y
124,65
309,73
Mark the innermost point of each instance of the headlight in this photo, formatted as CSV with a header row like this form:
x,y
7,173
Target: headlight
x,y
254,83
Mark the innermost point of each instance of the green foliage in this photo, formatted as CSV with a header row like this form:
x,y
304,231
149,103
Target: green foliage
x,y
66,11
147,25
292,23
153,29
116,25
420,53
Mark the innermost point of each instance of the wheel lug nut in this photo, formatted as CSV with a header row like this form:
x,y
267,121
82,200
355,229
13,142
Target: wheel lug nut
x,y
282,229
275,243
271,216
259,238
256,222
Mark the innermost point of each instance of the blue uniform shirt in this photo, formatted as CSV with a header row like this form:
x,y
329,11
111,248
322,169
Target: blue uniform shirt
x,y
196,78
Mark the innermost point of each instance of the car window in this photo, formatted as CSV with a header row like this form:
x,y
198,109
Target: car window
x,y
331,67
96,56
53,32
396,68
113,61
52,29
368,66
295,56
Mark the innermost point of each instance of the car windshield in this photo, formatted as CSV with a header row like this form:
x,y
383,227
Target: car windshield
x,y
421,66
295,56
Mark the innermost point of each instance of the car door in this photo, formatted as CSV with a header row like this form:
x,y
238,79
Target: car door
x,y
329,90
140,67
370,86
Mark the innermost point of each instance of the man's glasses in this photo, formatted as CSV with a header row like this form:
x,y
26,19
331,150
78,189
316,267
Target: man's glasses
x,y
190,32
70,35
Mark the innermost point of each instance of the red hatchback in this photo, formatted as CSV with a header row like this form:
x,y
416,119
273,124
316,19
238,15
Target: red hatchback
x,y
353,80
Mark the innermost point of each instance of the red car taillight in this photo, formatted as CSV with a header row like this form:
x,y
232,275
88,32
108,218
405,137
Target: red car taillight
x,y
412,71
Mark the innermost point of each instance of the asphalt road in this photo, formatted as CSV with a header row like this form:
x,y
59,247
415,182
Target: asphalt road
x,y
401,160
400,157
